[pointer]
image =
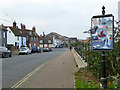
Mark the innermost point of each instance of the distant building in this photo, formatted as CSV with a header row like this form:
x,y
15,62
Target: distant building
x,y
3,36
73,39
47,40
55,40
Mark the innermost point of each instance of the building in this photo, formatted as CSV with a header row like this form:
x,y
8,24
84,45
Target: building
x,y
47,40
3,36
22,37
32,37
73,39
54,40
15,36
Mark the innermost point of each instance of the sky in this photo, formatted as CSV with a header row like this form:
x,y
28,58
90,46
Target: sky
x,y
67,17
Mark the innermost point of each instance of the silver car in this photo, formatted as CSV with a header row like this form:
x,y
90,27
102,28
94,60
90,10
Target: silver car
x,y
4,52
24,50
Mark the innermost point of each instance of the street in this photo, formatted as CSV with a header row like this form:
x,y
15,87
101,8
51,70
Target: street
x,y
17,67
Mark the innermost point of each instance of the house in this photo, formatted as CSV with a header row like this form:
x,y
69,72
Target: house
x,y
32,37
3,36
54,40
47,40
16,36
22,37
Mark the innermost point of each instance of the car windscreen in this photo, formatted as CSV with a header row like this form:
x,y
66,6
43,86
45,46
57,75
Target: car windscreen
x,y
34,47
23,48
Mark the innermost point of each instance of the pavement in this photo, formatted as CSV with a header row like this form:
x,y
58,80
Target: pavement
x,y
58,73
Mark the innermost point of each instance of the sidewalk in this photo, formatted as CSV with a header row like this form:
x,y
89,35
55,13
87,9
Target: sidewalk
x,y
59,73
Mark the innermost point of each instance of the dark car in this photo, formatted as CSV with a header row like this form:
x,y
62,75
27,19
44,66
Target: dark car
x,y
36,49
4,52
50,49
46,49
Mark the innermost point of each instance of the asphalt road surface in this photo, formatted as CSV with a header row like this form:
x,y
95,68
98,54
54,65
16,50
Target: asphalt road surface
x,y
17,67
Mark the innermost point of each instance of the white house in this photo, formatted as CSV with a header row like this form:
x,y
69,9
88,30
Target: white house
x,y
14,36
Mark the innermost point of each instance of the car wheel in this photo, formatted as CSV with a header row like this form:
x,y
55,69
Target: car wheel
x,y
7,55
27,53
10,55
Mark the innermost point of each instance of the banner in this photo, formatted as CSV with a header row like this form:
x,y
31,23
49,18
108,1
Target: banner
x,y
102,32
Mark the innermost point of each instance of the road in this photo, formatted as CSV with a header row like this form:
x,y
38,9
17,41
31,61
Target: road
x,y
17,67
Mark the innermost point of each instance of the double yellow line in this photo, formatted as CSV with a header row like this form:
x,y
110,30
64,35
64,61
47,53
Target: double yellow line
x,y
31,73
25,78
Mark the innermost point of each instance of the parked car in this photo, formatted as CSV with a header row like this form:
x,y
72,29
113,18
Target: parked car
x,y
36,49
24,50
50,49
46,49
4,52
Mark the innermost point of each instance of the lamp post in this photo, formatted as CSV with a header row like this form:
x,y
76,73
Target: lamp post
x,y
103,78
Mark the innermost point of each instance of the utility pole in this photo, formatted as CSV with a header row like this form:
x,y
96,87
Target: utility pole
x,y
21,34
103,78
43,39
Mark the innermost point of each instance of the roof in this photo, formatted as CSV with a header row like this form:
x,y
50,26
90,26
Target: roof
x,y
18,32
58,36
31,33
3,28
46,39
85,41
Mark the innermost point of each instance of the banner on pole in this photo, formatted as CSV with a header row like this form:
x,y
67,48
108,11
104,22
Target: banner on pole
x,y
102,32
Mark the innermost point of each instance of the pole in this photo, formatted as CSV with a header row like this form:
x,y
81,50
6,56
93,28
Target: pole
x,y
103,78
43,39
22,35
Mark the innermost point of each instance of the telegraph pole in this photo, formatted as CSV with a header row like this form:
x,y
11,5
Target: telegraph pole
x,y
21,34
43,39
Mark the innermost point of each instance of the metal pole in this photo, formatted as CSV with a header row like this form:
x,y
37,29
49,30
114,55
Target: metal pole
x,y
103,78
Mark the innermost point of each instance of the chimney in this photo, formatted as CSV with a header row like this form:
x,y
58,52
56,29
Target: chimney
x,y
23,28
34,29
40,35
2,25
14,24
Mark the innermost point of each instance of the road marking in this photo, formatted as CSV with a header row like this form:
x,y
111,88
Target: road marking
x,y
33,72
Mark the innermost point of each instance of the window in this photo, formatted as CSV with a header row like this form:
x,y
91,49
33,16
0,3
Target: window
x,y
9,31
18,38
34,44
34,38
30,33
3,34
31,38
4,44
37,39
41,41
49,41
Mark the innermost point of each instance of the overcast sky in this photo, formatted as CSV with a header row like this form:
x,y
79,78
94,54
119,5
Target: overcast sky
x,y
66,17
